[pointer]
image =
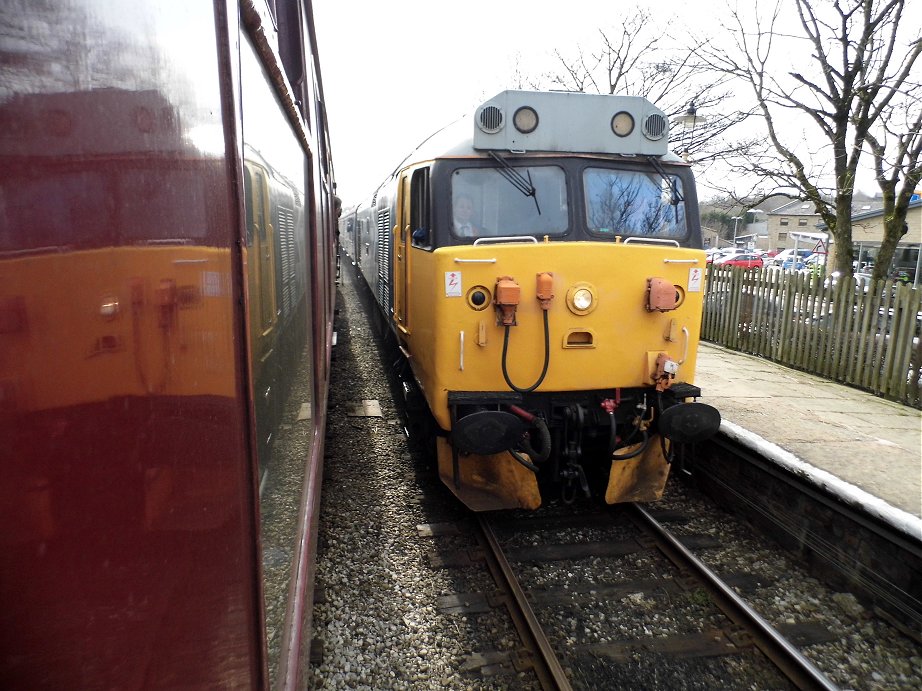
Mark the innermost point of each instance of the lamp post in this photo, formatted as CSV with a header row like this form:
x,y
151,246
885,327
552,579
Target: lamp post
x,y
754,212
736,222
689,120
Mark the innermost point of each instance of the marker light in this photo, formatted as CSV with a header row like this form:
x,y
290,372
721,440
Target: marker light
x,y
622,124
525,119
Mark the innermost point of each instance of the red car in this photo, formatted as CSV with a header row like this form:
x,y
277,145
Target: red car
x,y
747,261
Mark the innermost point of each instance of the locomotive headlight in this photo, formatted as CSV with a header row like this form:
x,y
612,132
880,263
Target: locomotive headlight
x,y
622,123
525,119
581,298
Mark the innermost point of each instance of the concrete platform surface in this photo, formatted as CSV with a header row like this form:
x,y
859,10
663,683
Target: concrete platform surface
x,y
867,442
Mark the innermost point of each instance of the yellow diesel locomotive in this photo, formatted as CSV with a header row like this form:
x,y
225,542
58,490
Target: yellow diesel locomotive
x,y
542,272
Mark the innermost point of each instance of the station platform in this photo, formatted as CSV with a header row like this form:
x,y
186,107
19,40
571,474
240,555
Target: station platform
x,y
859,446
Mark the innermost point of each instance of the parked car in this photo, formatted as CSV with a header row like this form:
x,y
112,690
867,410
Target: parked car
x,y
784,255
717,254
748,260
795,263
815,263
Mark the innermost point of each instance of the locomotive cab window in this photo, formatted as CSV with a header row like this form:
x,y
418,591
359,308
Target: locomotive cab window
x,y
509,202
420,219
625,202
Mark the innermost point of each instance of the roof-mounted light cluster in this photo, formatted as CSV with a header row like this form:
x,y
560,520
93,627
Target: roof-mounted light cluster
x,y
571,122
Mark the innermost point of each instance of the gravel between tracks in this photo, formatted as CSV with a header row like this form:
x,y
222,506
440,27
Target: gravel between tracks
x,y
377,621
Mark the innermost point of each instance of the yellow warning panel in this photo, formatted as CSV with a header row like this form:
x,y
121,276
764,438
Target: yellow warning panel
x,y
488,483
642,478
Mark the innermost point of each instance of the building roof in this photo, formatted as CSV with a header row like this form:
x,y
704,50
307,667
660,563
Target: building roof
x,y
794,208
861,211
860,208
876,208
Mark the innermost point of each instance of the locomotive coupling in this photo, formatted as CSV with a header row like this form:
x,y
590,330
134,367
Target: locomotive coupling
x,y
506,299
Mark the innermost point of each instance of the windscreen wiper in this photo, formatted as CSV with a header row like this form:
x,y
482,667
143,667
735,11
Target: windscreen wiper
x,y
516,179
677,197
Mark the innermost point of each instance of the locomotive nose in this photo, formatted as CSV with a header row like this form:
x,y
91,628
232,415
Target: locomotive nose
x,y
689,422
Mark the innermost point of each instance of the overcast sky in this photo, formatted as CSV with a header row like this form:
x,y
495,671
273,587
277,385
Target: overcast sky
x,y
395,72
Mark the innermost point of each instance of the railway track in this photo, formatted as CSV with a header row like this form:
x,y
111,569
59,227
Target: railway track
x,y
410,612
843,544
797,668
557,659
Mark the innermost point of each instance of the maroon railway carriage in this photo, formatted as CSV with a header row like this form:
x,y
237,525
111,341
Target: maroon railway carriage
x,y
167,260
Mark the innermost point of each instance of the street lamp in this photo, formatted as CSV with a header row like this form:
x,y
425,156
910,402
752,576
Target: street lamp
x,y
688,120
754,212
736,221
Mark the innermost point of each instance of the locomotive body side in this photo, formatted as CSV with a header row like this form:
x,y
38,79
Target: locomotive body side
x,y
166,247
554,338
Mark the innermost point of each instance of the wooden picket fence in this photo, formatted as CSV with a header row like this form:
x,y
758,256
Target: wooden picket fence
x,y
864,335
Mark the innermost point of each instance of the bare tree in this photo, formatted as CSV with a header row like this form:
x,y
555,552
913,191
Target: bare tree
x,y
898,170
639,58
857,91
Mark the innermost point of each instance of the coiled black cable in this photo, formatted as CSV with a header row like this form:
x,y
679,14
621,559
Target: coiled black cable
x,y
545,435
547,359
524,461
644,443
667,452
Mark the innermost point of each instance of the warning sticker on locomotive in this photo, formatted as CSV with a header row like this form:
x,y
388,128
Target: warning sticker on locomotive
x,y
694,280
452,284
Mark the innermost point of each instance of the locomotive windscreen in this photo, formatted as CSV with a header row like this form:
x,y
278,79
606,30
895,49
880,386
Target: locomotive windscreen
x,y
502,208
623,202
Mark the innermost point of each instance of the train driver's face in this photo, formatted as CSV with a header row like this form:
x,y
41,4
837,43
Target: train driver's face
x,y
464,209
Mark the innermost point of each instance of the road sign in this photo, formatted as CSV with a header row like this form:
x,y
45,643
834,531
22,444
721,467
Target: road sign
x,y
820,248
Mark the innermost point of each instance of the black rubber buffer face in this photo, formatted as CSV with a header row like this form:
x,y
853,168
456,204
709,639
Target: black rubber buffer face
x,y
689,422
487,432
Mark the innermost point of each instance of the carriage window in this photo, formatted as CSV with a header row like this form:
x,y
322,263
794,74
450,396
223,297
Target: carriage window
x,y
626,202
282,376
487,203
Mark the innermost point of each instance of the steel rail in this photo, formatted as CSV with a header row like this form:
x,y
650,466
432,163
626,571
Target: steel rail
x,y
778,649
547,666
884,530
